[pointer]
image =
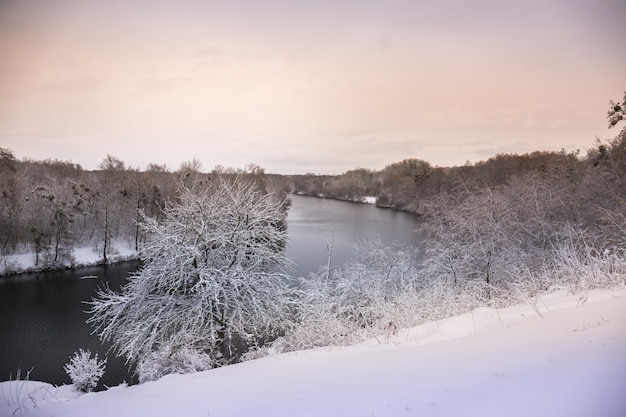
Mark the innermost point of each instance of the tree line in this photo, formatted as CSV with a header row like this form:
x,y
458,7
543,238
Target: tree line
x,y
528,196
405,185
51,207
587,182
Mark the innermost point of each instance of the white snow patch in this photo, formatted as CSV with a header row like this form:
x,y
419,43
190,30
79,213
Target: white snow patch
x,y
83,256
369,199
17,397
486,363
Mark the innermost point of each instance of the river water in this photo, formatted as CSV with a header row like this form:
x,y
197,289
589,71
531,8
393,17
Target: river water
x,y
42,316
42,323
314,224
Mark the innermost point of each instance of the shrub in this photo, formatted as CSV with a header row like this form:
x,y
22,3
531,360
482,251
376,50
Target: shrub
x,y
85,371
171,360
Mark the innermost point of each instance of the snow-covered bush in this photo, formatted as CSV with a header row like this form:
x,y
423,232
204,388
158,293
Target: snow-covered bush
x,y
579,267
388,285
85,371
318,323
170,360
355,301
212,279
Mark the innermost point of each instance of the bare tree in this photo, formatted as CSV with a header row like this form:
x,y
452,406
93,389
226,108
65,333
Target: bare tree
x,y
193,165
11,200
112,171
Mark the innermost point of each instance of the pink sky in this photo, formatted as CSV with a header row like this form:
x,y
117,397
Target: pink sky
x,y
317,86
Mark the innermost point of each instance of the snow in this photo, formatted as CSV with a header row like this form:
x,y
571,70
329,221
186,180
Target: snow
x,y
511,361
83,256
363,199
20,396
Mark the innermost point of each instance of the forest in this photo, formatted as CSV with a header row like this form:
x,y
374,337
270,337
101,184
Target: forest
x,y
51,207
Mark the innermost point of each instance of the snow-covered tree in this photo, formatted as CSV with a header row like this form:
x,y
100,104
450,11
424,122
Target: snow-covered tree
x,y
85,371
212,280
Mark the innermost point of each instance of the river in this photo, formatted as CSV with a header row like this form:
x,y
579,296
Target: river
x,y
314,223
42,316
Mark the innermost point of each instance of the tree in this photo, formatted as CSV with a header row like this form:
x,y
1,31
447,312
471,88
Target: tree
x,y
11,201
402,183
112,173
53,232
616,111
212,278
194,165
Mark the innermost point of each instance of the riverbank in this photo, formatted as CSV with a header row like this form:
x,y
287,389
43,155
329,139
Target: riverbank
x,y
568,360
359,200
24,263
362,199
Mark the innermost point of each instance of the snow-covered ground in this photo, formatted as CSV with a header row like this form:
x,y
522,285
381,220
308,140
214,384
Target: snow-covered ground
x,y
84,256
566,356
363,199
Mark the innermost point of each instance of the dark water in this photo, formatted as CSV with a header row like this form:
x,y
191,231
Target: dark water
x,y
42,323
42,318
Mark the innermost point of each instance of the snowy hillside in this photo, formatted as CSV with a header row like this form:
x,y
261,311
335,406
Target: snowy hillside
x,y
571,362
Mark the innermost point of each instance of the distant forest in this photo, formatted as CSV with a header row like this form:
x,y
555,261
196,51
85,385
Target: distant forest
x,y
51,207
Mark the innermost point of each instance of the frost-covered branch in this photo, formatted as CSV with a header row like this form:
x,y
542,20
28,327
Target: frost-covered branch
x,y
213,278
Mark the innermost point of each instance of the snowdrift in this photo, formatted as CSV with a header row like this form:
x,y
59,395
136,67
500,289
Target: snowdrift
x,y
563,356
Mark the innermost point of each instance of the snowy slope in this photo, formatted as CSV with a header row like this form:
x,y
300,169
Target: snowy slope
x,y
509,362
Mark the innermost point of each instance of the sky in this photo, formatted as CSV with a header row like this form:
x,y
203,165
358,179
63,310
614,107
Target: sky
x,y
306,86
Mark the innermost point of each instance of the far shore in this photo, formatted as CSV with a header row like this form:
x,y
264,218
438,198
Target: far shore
x,y
12,266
